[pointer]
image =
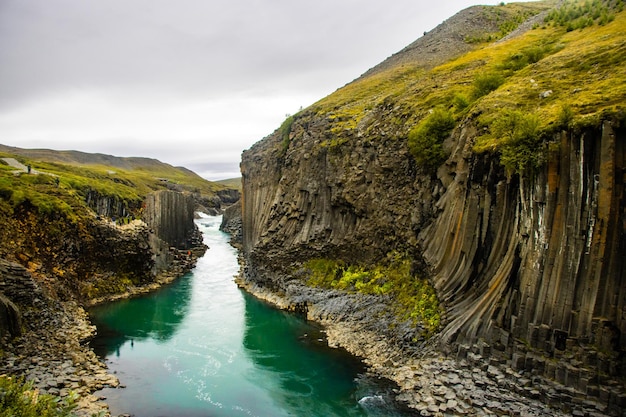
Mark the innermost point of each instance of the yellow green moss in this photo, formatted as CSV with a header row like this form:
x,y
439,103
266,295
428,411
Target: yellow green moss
x,y
414,298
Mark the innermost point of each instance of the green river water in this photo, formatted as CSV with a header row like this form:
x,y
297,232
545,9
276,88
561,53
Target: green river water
x,y
201,347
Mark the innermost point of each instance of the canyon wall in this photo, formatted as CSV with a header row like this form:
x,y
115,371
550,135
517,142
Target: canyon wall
x,y
507,198
170,215
93,257
528,269
532,266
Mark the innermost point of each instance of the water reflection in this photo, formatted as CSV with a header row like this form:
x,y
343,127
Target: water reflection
x,y
156,316
311,376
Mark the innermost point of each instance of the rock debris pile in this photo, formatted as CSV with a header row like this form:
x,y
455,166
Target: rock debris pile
x,y
53,353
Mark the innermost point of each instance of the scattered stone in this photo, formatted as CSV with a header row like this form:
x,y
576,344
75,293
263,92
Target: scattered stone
x,y
56,359
545,94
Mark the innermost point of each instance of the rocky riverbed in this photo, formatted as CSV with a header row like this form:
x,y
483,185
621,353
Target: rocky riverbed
x,y
54,354
53,349
475,383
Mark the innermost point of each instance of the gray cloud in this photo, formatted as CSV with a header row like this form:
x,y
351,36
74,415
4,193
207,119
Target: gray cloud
x,y
214,75
186,47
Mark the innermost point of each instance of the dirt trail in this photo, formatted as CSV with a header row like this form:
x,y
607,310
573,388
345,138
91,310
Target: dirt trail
x,y
20,166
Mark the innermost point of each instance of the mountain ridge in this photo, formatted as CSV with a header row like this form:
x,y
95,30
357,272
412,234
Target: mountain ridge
x,y
449,38
87,158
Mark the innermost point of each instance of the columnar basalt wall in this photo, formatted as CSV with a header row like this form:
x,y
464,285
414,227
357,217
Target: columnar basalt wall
x,y
533,266
109,206
354,202
17,289
170,215
529,268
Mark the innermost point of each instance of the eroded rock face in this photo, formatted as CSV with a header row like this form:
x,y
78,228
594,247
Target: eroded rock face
x,y
10,318
170,215
231,223
531,268
353,202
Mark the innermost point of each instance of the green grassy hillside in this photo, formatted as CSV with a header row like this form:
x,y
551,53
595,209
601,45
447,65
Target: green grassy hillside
x,y
567,69
62,187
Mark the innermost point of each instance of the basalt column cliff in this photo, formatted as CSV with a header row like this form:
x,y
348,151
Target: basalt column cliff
x,y
508,198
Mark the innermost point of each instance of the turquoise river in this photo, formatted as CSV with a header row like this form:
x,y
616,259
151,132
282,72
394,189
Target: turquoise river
x,y
201,347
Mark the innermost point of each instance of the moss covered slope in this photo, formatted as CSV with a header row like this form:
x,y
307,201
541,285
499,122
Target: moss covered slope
x,y
567,69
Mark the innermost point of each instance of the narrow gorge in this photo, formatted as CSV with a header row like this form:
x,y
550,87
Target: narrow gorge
x,y
455,217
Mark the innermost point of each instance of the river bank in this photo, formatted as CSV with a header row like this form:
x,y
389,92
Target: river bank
x,y
54,354
53,350
432,384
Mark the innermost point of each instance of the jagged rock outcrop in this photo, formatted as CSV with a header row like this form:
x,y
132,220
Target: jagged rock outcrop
x,y
228,196
232,223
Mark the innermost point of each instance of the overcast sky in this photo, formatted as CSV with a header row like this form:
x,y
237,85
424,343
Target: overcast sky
x,y
189,82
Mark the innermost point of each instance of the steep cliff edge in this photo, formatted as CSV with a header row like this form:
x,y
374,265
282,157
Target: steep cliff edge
x,y
515,214
75,236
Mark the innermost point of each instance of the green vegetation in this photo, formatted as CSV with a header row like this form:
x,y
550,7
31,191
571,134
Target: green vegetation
x,y
426,139
20,399
485,83
117,284
285,131
528,55
581,71
574,15
519,139
415,298
39,191
60,190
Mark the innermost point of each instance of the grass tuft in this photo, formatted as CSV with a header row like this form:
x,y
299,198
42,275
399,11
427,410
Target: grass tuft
x,y
19,398
415,299
426,139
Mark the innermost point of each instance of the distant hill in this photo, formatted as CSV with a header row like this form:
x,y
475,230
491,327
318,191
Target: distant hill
x,y
84,158
231,183
151,166
122,179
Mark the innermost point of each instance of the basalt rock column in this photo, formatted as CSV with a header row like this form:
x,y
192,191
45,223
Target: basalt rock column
x,y
170,215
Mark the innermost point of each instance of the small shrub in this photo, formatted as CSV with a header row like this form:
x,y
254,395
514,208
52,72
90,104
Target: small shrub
x,y
566,116
284,131
515,61
520,139
460,102
19,398
485,83
426,139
